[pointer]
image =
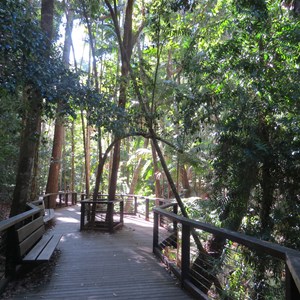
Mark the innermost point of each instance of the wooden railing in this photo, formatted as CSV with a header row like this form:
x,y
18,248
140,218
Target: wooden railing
x,y
173,243
64,199
93,214
135,204
177,238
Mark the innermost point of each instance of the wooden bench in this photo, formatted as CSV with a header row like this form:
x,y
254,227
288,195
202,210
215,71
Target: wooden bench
x,y
33,245
48,213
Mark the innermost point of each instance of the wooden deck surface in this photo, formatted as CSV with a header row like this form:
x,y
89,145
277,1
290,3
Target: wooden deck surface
x,y
96,265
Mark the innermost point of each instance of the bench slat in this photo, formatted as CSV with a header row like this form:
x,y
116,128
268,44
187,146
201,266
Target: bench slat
x,y
49,249
31,240
29,228
37,249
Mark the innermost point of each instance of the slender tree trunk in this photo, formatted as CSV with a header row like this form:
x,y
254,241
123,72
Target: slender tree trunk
x,y
56,158
34,182
117,147
157,173
88,157
126,46
72,158
185,181
96,81
28,151
86,167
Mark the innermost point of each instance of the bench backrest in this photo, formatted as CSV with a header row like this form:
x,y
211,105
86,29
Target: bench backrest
x,y
29,234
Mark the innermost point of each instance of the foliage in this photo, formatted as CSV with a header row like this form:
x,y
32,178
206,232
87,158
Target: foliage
x,y
9,131
245,81
221,80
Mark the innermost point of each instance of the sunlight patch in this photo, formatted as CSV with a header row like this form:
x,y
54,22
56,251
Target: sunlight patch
x,y
67,220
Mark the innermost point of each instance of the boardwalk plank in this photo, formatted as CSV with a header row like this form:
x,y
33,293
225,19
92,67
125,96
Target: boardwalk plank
x,y
97,265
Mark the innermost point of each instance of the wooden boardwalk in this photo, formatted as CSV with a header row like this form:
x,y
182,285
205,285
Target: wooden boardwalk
x,y
95,265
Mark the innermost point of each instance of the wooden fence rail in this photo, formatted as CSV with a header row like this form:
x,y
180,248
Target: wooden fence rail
x,y
64,198
141,205
289,257
93,214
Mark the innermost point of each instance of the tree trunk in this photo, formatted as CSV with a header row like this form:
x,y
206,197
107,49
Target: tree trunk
x,y
29,143
72,158
185,182
56,158
86,159
157,174
28,150
30,137
34,186
126,46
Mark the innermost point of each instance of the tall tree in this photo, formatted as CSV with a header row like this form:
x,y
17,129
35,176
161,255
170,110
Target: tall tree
x,y
30,136
126,46
157,174
58,140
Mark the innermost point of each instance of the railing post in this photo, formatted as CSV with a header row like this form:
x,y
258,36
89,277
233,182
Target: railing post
x,y
88,214
74,198
185,253
60,196
291,290
135,205
147,209
175,223
155,231
111,218
160,216
175,211
82,215
122,211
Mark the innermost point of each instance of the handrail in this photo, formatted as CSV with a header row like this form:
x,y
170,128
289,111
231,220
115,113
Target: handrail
x,y
52,204
147,200
5,224
101,201
289,256
271,248
293,264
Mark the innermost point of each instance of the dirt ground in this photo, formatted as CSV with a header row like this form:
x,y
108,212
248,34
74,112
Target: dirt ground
x,y
31,278
4,210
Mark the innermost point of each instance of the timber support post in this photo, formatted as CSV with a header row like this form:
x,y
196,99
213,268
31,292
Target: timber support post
x,y
185,254
147,208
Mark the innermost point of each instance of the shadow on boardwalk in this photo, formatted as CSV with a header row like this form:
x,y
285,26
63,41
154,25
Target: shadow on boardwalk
x,y
96,265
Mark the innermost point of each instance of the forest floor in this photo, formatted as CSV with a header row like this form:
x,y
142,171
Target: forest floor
x,y
4,210
30,279
4,213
